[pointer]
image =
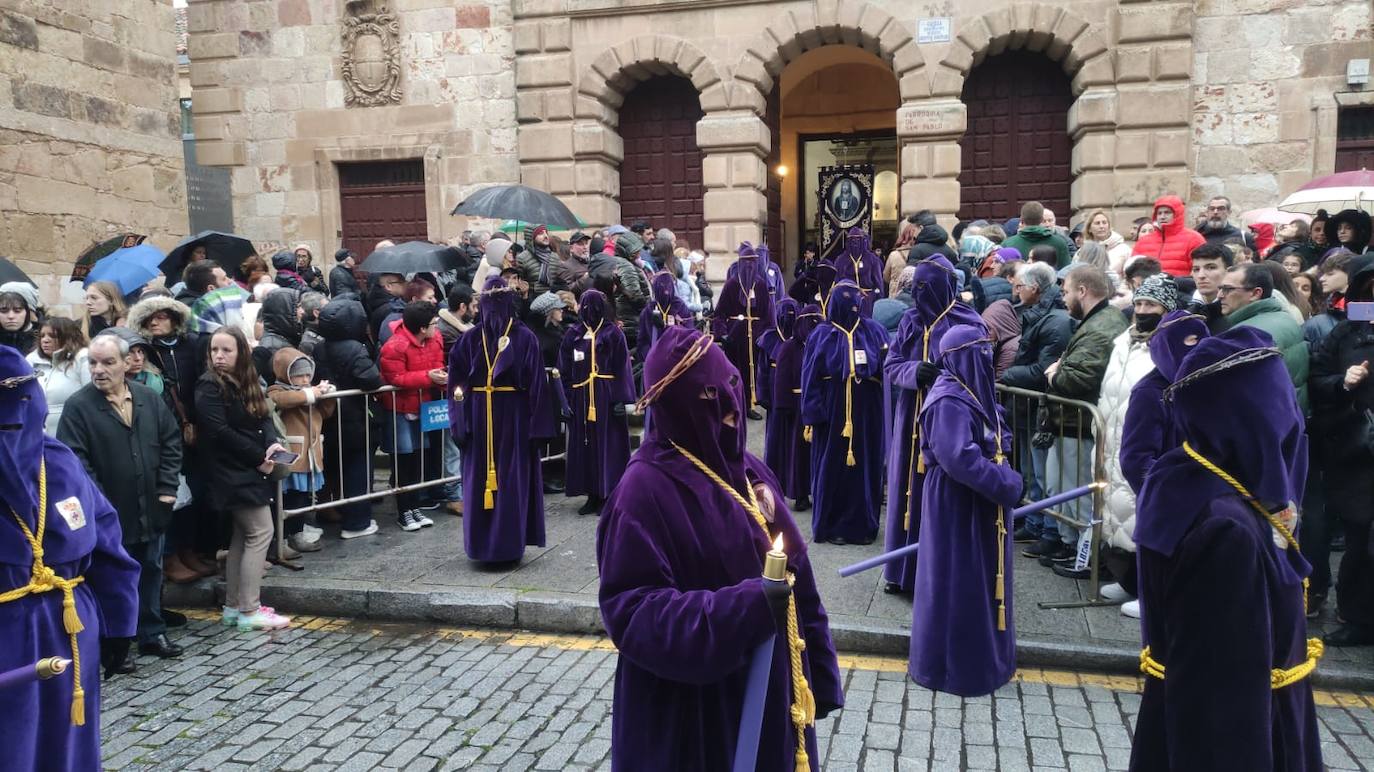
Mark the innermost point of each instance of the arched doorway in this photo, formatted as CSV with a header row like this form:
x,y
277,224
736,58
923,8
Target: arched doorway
x,y
1017,146
660,177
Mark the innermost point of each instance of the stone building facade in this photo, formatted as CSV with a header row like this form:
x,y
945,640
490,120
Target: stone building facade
x,y
1193,97
90,137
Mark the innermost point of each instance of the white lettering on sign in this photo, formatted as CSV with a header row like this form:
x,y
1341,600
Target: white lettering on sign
x,y
933,30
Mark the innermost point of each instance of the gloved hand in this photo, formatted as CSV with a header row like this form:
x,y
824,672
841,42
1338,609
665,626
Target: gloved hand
x,y
618,409
777,593
114,656
926,373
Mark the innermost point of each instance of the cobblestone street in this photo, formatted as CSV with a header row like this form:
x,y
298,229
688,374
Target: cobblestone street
x,y
333,694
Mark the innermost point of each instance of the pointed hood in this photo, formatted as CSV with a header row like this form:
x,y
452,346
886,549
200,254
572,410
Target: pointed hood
x,y
1177,335
784,323
23,412
497,306
966,358
809,317
591,310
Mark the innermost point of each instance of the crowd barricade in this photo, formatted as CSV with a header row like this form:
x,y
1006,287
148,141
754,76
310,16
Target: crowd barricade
x,y
384,432
1035,418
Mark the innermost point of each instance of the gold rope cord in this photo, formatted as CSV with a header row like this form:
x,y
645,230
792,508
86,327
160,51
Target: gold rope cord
x,y
1279,677
848,430
590,381
44,579
803,711
489,495
999,589
917,464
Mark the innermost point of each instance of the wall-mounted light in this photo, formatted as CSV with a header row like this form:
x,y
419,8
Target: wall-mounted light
x,y
780,170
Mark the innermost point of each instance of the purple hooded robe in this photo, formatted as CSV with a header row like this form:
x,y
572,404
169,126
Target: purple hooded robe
x,y
956,643
506,420
664,310
742,312
842,402
681,594
937,310
598,444
36,727
860,265
1149,429
1221,601
783,443
772,274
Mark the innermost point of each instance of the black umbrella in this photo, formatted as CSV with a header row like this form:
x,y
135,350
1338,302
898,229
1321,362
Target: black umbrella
x,y
10,272
224,248
412,257
517,202
102,249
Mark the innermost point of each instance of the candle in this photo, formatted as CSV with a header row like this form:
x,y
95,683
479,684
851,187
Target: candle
x,y
775,562
52,666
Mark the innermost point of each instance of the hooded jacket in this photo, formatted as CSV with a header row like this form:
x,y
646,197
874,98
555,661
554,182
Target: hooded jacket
x,y
405,362
1005,330
180,356
342,281
1171,244
280,329
1269,314
1045,332
931,241
1129,363
1357,219
302,415
345,360
285,264
1030,236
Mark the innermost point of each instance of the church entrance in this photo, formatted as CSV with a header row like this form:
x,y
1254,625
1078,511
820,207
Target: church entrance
x,y
660,178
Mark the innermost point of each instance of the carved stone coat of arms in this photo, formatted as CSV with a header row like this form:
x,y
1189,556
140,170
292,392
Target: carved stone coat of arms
x,y
371,54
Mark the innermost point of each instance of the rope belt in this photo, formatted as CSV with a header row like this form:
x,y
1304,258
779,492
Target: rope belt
x,y
917,463
749,326
489,495
592,378
849,380
803,711
1279,677
43,579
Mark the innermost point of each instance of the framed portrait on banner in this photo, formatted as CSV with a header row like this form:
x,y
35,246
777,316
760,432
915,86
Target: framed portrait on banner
x,y
846,196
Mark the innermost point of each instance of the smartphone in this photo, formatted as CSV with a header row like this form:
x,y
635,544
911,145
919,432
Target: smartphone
x,y
1360,312
284,457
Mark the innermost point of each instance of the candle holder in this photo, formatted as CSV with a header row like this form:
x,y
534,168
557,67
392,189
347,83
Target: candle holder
x,y
775,562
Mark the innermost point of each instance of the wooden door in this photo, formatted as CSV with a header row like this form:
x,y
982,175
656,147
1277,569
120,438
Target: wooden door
x,y
382,200
660,178
1355,139
1017,147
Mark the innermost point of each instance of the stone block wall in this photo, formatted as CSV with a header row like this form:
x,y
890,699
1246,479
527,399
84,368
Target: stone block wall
x,y
90,131
270,102
1266,78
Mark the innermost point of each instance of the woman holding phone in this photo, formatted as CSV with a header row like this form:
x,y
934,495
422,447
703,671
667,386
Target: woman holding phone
x,y
234,418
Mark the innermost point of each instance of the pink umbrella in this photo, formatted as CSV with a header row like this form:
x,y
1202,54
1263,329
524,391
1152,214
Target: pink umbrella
x,y
1334,192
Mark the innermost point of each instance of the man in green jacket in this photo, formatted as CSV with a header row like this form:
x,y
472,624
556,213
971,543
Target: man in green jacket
x,y
1078,376
1247,297
1032,232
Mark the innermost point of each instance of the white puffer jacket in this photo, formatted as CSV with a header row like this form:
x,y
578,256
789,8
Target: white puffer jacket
x,y
59,383
1130,361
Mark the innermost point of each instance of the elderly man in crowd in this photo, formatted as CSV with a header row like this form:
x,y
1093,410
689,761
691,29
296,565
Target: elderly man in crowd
x,y
130,444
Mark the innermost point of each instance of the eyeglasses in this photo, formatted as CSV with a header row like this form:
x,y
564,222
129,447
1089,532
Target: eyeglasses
x,y
1227,289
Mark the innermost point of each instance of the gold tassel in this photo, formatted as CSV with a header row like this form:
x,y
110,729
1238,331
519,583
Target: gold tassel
x,y
70,620
806,433
849,458
78,706
489,499
848,428
803,761
1001,618
920,463
591,411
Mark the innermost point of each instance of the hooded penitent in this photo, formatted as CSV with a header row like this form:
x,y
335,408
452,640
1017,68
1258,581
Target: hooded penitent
x,y
858,264
1219,513
594,367
918,339
65,578
963,637
680,550
497,384
759,261
743,311
1149,430
783,448
842,402
664,310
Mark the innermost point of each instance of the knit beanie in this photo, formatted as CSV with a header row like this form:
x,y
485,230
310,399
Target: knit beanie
x,y
1161,289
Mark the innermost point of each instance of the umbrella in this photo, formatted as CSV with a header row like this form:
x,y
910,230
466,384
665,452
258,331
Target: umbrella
x,y
101,249
224,248
10,272
1334,192
517,202
1272,216
519,226
412,257
130,268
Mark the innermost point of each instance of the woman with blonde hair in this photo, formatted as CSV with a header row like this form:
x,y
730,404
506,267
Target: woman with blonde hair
x,y
104,308
1099,229
896,259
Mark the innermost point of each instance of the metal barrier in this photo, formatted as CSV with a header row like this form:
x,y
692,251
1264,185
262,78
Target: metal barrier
x,y
367,398
1033,412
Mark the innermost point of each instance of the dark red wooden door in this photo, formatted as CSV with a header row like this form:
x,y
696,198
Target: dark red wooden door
x,y
1355,139
382,200
660,178
1017,146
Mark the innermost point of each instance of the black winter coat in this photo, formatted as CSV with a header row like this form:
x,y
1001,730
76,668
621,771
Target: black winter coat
x,y
994,288
932,240
280,329
342,281
232,444
345,359
1045,331
132,465
380,304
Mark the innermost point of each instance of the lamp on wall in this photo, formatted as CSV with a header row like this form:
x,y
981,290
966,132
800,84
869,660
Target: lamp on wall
x,y
780,170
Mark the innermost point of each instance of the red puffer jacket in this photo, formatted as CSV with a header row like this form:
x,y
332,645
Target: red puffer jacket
x,y
1173,244
405,362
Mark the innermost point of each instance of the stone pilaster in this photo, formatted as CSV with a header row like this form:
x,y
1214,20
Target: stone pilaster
x,y
929,131
735,176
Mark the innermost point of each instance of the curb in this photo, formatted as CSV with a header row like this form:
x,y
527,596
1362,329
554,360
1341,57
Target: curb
x,y
556,612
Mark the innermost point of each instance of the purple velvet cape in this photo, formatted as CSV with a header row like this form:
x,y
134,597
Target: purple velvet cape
x,y
597,450
744,295
934,288
1149,429
858,263
681,594
519,416
955,644
846,497
664,307
36,731
1216,710
784,449
772,274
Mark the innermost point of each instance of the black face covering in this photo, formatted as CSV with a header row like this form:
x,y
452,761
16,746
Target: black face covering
x,y
1147,322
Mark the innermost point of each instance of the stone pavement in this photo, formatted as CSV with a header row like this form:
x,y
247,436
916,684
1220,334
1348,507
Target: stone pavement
x,y
425,575
335,695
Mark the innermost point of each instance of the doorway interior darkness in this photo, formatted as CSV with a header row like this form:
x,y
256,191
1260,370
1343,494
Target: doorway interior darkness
x,y
1017,146
660,178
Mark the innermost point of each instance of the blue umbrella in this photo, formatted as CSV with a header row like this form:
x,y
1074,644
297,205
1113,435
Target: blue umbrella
x,y
130,268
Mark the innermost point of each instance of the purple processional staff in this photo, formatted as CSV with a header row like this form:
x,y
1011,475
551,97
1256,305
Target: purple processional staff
x,y
842,406
911,369
1227,668
743,311
681,546
594,361
498,387
963,637
67,587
